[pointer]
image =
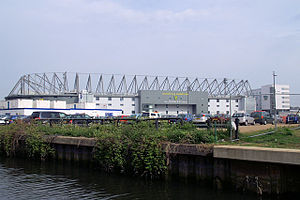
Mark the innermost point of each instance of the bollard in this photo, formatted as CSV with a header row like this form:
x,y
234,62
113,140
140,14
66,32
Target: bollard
x,y
156,124
215,131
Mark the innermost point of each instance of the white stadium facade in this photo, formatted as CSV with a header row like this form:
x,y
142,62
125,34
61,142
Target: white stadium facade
x,y
103,94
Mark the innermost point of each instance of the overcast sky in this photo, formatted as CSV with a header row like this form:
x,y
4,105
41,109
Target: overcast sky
x,y
238,39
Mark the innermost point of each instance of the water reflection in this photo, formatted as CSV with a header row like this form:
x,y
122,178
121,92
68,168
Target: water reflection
x,y
23,179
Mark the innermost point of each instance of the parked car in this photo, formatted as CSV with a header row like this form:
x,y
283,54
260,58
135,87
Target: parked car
x,y
14,118
151,115
244,118
173,118
292,119
80,118
202,118
46,116
186,117
278,118
220,118
4,119
262,117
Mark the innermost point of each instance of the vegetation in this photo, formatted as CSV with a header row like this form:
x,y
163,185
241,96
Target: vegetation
x,y
131,148
282,138
35,145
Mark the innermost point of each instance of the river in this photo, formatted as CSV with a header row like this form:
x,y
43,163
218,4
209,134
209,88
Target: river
x,y
23,179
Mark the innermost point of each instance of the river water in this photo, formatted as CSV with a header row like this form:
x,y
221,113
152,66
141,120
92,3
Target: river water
x,y
23,179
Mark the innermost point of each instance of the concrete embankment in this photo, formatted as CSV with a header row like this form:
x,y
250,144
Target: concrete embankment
x,y
259,170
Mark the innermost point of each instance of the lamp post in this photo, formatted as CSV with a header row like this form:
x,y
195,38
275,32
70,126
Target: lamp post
x,y
188,99
274,99
230,117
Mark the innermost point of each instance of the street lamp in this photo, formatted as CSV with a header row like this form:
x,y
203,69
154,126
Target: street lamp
x,y
274,99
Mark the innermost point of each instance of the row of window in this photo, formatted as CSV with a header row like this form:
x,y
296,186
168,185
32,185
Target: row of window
x,y
110,98
226,105
97,104
218,100
218,112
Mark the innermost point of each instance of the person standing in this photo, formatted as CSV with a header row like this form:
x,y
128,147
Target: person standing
x,y
237,122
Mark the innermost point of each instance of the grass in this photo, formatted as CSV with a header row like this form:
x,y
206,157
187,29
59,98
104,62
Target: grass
x,y
282,138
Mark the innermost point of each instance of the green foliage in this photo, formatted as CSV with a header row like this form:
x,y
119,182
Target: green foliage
x,y
132,148
35,146
282,138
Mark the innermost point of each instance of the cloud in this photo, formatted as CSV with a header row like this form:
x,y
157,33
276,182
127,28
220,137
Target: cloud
x,y
104,9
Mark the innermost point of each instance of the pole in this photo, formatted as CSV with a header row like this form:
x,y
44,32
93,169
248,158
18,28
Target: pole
x,y
274,100
230,117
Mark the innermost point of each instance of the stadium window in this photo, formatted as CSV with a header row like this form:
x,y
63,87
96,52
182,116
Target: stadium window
x,y
167,112
218,100
122,99
109,104
133,99
121,104
109,98
97,98
133,112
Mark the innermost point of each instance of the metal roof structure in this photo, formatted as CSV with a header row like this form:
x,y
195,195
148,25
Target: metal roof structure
x,y
56,83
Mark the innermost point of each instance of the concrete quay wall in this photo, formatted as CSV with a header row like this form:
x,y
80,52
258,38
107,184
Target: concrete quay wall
x,y
259,154
254,169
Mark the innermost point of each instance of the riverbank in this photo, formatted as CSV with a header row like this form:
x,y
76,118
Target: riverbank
x,y
140,151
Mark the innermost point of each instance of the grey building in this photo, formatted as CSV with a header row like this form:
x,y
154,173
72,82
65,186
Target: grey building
x,y
173,102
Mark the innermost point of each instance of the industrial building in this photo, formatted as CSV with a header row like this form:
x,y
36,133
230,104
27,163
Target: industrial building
x,y
112,95
265,98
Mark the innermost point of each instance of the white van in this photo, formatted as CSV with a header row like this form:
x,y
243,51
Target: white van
x,y
151,115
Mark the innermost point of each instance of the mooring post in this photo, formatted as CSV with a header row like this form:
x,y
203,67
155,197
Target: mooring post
x,y
156,124
215,130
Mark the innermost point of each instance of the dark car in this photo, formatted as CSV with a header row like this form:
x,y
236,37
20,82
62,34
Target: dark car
x,y
46,116
292,119
80,119
186,117
262,117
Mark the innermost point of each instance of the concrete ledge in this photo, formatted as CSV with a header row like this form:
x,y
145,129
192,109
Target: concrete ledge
x,y
259,154
76,141
188,149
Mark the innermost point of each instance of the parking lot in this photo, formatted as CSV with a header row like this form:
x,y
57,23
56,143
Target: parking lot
x,y
258,127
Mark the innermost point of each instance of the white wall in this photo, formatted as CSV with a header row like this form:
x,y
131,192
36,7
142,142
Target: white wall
x,y
91,112
58,104
41,104
282,97
127,104
222,106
